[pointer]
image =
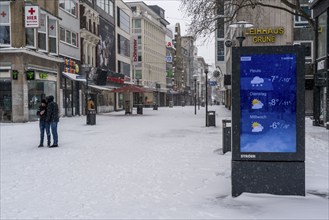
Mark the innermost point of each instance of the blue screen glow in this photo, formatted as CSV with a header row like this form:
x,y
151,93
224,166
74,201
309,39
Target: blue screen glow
x,y
268,103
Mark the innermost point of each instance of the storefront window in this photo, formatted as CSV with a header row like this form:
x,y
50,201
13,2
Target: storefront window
x,y
120,104
5,100
38,90
322,35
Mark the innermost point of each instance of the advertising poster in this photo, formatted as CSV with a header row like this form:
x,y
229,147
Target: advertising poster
x,y
106,46
268,103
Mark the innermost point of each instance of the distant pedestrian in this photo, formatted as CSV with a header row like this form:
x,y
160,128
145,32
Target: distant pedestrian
x,y
43,123
91,104
53,119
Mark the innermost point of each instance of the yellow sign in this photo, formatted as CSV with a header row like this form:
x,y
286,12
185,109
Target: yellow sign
x,y
264,35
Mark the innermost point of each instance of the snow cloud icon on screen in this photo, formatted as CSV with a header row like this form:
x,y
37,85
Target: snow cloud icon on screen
x,y
256,127
257,81
257,104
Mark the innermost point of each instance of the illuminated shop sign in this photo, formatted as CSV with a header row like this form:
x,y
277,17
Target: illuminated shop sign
x,y
30,75
43,75
264,35
70,66
135,51
15,74
114,78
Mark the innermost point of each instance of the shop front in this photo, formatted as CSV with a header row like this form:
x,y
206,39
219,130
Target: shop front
x,y
71,87
26,77
40,85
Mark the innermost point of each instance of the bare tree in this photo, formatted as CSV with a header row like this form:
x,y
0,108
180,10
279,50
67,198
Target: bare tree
x,y
204,13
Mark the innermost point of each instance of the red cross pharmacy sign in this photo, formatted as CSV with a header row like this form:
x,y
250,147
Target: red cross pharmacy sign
x,y
32,16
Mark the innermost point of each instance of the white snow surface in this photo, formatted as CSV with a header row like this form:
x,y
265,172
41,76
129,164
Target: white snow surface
x,y
164,164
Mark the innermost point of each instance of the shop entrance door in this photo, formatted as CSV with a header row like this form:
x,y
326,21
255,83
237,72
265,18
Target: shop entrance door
x,y
5,100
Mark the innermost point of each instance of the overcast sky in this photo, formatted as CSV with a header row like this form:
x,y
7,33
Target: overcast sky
x,y
174,15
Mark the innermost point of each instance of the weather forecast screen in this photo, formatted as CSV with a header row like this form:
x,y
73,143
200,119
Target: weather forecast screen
x,y
268,103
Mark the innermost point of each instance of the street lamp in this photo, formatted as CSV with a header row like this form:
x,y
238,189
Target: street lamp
x,y
206,82
195,77
198,81
86,69
241,25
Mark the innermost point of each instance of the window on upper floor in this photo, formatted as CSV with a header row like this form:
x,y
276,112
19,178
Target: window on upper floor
x,y
69,37
52,38
42,33
220,51
138,23
308,45
70,6
44,38
30,37
4,25
123,46
300,21
124,68
123,20
322,35
107,6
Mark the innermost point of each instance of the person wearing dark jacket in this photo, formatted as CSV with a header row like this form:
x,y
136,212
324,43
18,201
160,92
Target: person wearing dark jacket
x,y
43,123
53,119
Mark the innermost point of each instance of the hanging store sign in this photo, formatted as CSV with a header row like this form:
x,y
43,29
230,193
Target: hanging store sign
x,y
135,58
32,16
70,66
169,59
212,83
30,75
14,74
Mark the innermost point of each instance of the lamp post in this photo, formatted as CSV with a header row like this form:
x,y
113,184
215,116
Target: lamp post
x,y
206,82
86,69
198,94
195,76
241,25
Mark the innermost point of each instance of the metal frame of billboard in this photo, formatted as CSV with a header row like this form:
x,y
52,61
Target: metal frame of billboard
x,y
299,155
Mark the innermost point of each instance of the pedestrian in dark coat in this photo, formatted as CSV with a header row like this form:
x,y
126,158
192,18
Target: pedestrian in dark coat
x,y
43,123
53,119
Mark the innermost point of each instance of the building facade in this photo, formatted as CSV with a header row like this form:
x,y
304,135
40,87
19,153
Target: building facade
x,y
123,30
29,57
321,70
149,51
69,50
189,54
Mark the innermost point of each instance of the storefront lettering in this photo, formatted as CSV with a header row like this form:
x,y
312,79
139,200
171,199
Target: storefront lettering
x,y
264,35
43,75
115,79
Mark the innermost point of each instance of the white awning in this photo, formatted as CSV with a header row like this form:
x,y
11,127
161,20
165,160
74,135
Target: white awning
x,y
100,87
74,77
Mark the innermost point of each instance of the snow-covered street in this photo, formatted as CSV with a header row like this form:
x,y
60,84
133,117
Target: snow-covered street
x,y
163,164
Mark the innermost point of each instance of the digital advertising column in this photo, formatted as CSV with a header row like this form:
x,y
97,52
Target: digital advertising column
x,y
268,121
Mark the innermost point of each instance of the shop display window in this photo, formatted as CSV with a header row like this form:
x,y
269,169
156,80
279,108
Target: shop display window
x,y
38,90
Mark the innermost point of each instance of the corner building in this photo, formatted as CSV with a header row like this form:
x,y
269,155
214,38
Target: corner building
x,y
29,61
